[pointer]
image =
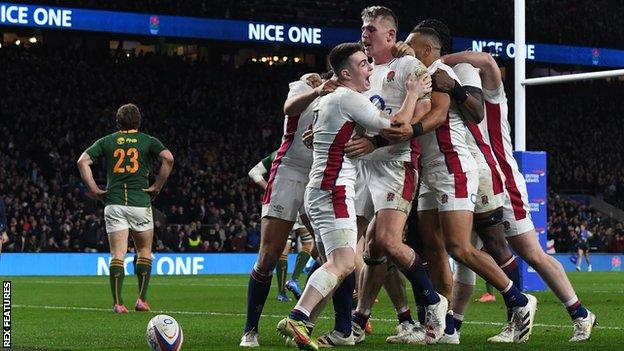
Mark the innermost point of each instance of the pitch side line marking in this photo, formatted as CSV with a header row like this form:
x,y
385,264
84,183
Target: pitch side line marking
x,y
97,309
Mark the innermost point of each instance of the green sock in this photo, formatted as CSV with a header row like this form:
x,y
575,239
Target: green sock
x,y
489,288
282,269
116,280
300,263
143,272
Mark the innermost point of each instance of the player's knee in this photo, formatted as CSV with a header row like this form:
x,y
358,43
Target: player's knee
x,y
460,253
536,258
267,262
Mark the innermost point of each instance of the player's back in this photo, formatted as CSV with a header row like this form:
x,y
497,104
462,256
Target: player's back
x,y
293,153
496,112
127,155
477,136
332,130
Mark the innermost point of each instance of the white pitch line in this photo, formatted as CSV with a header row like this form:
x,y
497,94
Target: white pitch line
x,y
54,282
227,314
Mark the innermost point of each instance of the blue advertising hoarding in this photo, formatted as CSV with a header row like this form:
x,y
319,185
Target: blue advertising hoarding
x,y
93,264
532,165
171,26
279,33
562,54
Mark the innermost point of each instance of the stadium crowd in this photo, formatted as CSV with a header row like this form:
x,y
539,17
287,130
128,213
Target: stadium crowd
x,y
566,23
218,124
564,225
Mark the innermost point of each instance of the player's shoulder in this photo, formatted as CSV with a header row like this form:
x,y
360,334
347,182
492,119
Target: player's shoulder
x,y
439,65
298,87
408,61
467,74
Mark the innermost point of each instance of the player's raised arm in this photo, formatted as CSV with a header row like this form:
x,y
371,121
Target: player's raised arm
x,y
490,73
165,170
303,92
84,167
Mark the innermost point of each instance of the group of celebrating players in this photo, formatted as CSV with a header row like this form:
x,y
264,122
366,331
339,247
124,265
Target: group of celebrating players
x,y
419,125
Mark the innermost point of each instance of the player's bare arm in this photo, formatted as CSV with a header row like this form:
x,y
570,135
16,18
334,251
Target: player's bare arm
x,y
166,167
295,105
469,99
84,167
490,73
440,103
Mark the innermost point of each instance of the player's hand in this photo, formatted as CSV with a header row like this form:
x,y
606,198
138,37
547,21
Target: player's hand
x,y
419,85
312,79
153,191
359,146
308,137
442,82
327,87
401,49
98,194
397,132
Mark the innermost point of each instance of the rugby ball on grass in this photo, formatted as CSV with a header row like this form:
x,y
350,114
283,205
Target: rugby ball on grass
x,y
164,333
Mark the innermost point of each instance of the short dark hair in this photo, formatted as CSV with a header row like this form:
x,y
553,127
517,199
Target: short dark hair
x,y
381,11
438,29
128,117
339,55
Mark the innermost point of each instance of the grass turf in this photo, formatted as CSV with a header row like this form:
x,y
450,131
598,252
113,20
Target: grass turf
x,y
74,313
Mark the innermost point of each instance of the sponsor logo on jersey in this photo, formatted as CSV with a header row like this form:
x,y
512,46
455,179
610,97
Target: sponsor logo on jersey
x,y
444,198
390,197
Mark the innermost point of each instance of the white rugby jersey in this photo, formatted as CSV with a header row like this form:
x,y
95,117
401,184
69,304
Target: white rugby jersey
x,y
292,152
496,111
445,148
477,136
335,118
388,92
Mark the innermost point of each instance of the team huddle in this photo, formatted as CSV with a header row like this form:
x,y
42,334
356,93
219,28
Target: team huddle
x,y
419,127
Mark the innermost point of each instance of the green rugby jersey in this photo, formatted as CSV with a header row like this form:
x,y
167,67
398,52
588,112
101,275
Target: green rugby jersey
x,y
266,162
127,155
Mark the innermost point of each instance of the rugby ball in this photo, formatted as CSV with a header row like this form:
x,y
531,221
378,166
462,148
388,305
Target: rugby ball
x,y
164,333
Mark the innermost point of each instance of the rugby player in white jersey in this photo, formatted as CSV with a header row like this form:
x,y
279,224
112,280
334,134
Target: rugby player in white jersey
x,y
387,180
283,197
330,193
448,195
518,225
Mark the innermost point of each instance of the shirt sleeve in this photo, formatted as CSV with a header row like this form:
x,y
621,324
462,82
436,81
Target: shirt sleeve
x,y
94,151
468,75
496,96
156,146
297,87
359,109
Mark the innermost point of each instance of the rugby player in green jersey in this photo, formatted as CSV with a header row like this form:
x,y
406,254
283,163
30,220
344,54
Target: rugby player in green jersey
x,y
128,196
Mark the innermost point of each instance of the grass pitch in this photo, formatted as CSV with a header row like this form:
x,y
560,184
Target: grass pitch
x,y
74,313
